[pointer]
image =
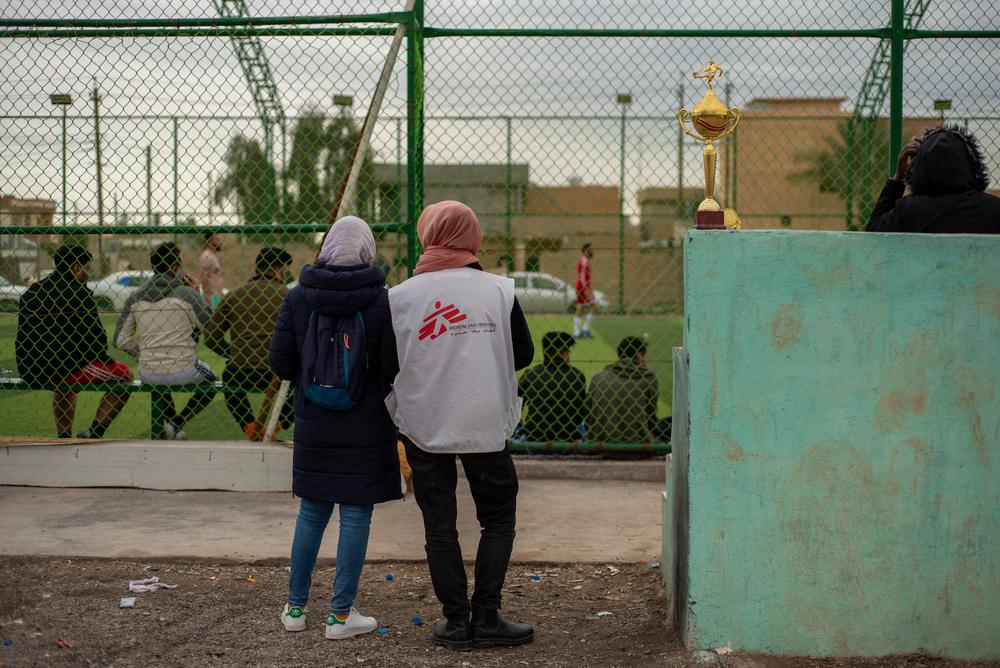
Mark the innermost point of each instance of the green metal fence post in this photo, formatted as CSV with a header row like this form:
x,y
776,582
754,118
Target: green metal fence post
x,y
414,129
508,239
896,47
621,217
174,118
149,184
849,184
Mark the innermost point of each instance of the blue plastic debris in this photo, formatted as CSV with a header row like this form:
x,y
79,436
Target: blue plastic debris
x,y
382,630
189,593
7,642
417,621
536,578
389,577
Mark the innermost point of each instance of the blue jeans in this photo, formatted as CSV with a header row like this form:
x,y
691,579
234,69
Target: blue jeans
x,y
352,545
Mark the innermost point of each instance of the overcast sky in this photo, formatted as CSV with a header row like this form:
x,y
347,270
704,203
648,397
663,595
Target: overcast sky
x,y
560,79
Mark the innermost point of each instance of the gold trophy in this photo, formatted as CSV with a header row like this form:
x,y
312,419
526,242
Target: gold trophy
x,y
712,120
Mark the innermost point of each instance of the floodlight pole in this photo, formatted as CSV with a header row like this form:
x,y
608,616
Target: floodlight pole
x,y
624,99
97,147
680,156
63,100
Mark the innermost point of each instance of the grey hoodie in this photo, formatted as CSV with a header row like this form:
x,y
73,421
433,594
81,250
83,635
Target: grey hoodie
x,y
160,323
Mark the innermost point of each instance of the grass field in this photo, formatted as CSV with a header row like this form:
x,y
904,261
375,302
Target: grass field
x,y
30,413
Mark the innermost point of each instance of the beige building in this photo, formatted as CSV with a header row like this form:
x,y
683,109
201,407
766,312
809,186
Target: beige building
x,y
21,256
764,166
666,214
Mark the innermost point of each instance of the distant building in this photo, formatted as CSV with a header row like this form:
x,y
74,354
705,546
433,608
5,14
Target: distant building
x,y
665,214
763,171
18,211
21,255
762,165
484,187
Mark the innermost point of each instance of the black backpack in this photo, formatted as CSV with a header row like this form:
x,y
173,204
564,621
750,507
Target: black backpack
x,y
335,360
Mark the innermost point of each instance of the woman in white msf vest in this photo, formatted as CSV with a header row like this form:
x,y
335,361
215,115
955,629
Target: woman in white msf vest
x,y
460,335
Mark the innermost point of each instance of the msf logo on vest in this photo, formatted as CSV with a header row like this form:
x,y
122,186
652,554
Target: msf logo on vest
x,y
437,322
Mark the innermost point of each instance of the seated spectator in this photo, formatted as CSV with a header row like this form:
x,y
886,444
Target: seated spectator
x,y
622,398
554,392
947,176
60,340
159,325
248,315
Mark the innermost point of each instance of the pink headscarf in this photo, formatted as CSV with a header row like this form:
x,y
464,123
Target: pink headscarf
x,y
451,236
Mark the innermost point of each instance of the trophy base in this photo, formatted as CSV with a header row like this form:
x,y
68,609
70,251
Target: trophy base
x,y
709,220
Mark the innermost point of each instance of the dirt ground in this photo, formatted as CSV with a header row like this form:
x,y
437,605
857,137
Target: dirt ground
x,y
66,613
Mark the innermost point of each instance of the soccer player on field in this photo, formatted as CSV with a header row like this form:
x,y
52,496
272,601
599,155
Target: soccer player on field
x,y
585,298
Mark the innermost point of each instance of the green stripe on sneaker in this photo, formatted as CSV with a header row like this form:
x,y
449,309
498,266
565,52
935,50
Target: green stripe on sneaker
x,y
332,620
295,612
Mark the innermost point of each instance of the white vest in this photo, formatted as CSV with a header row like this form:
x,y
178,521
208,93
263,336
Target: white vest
x,y
456,390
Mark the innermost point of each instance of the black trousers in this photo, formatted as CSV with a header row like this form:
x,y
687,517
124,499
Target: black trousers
x,y
493,483
256,380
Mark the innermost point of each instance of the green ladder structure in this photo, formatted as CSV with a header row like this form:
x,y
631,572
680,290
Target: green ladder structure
x,y
253,59
861,126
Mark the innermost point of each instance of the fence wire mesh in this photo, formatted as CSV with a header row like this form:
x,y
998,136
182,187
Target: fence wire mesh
x,y
515,107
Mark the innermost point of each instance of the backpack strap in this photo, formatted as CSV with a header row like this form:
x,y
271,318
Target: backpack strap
x,y
364,333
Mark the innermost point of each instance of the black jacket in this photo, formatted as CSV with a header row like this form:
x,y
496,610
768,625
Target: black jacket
x,y
947,180
555,395
339,456
58,330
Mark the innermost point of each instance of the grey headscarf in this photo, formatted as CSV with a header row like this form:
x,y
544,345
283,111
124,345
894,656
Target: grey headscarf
x,y
349,242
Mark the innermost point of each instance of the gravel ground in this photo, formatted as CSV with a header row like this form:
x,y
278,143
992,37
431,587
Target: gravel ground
x,y
65,613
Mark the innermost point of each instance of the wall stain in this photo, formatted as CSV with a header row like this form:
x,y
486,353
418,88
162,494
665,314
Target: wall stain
x,y
921,450
895,405
786,325
969,400
979,439
734,452
988,299
715,390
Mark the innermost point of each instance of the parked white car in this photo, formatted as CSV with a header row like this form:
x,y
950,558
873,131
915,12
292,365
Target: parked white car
x,y
112,291
9,295
537,292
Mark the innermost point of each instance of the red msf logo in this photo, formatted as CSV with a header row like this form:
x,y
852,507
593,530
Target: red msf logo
x,y
450,313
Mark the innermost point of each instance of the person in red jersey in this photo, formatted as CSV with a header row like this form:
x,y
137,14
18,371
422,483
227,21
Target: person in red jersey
x,y
585,297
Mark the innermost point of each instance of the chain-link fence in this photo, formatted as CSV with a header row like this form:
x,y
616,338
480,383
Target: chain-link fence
x,y
556,122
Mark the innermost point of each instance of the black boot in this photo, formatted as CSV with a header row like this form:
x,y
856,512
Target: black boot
x,y
489,629
454,634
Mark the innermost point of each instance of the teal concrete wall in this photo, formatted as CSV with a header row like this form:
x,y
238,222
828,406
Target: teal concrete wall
x,y
843,445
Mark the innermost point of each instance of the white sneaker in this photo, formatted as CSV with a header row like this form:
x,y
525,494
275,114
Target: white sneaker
x,y
294,618
172,433
356,624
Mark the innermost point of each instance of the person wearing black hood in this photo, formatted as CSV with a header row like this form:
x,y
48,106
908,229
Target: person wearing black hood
x,y
947,176
347,457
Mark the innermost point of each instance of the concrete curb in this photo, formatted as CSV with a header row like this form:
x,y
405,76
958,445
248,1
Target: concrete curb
x,y
233,466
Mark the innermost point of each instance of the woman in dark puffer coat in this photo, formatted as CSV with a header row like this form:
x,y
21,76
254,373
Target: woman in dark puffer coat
x,y
346,458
